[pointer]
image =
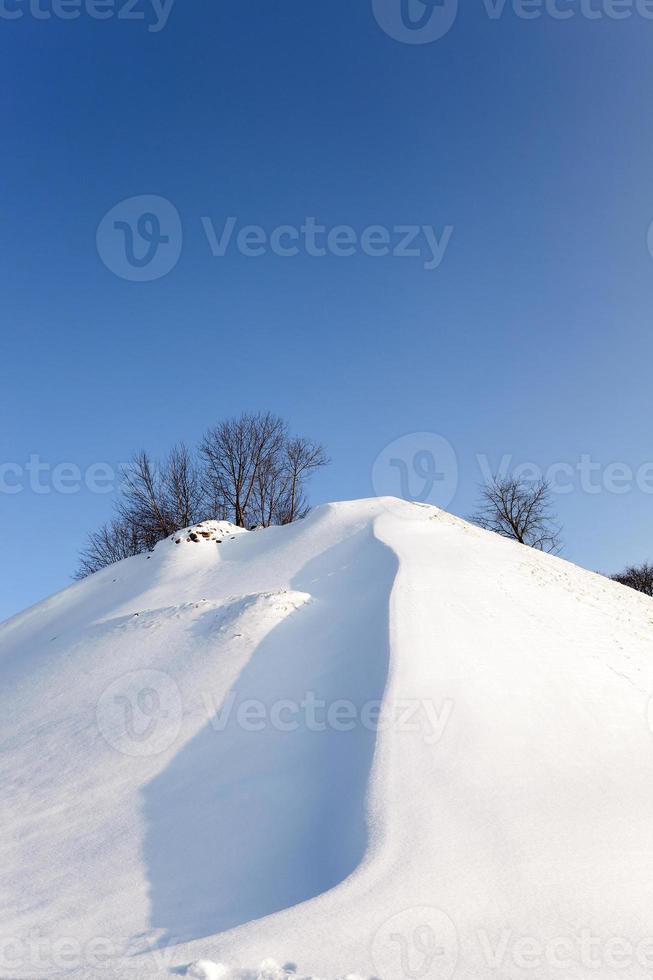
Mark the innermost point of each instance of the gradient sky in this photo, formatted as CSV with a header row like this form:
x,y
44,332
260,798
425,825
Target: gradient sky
x,y
532,138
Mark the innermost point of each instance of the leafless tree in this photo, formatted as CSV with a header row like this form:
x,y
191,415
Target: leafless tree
x,y
111,543
143,503
301,459
249,471
280,488
159,499
520,510
639,577
235,452
155,501
183,498
268,492
257,470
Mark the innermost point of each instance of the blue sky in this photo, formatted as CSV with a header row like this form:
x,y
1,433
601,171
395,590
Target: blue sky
x,y
532,139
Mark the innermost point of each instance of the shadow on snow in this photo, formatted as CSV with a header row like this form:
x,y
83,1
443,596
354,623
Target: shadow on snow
x,y
244,823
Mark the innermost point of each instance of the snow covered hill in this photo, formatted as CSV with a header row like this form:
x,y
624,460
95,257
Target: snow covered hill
x,y
376,743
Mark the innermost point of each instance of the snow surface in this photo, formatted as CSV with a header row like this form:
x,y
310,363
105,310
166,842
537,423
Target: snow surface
x,y
196,778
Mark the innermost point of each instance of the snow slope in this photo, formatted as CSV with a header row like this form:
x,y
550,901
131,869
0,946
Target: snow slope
x,y
379,742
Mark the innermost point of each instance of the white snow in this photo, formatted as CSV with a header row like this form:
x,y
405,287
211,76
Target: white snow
x,y
207,970
376,743
203,533
268,970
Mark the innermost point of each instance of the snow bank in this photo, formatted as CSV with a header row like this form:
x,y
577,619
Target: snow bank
x,y
191,770
268,970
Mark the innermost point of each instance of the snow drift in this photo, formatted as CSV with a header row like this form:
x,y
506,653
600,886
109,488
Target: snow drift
x,y
376,743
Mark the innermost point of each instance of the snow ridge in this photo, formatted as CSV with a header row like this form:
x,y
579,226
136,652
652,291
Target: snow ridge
x,y
169,784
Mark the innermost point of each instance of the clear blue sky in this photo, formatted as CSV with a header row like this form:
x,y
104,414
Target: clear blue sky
x,y
533,139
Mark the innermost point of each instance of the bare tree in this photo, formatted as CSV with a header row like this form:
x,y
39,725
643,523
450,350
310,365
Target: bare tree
x,y
143,504
301,459
520,510
111,543
251,472
241,459
257,471
182,497
159,499
268,493
639,577
156,500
